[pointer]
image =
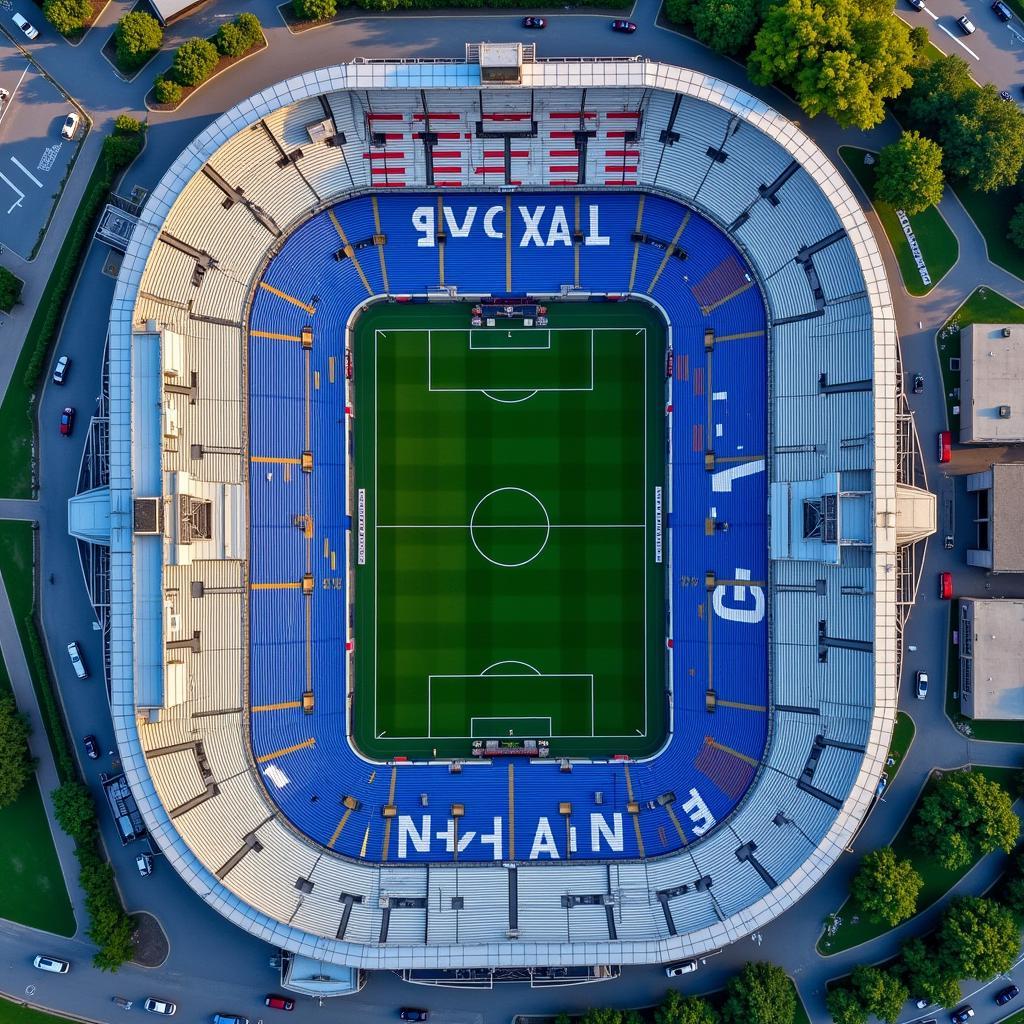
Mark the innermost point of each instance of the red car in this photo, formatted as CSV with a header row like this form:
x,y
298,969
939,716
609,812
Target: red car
x,y
946,585
67,421
279,1002
620,25
945,450
534,22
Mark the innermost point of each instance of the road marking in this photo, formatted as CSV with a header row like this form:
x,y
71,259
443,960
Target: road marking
x,y
24,170
21,195
960,42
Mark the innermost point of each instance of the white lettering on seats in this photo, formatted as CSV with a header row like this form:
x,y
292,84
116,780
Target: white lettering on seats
x,y
407,833
697,811
543,841
531,226
599,830
455,229
721,479
594,237
489,229
559,229
739,593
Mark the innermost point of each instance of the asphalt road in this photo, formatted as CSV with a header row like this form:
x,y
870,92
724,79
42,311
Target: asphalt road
x,y
212,966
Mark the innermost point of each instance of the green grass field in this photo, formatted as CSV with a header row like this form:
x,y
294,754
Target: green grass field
x,y
508,475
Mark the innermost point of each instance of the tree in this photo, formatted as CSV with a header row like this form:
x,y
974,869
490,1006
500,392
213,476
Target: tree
x,y
909,175
67,16
760,994
230,40
965,815
16,763
885,887
978,938
679,11
880,992
1013,888
75,811
250,27
926,977
843,58
918,38
679,1009
127,123
937,89
166,91
845,1007
194,62
727,26
601,1015
983,140
137,37
315,10
10,289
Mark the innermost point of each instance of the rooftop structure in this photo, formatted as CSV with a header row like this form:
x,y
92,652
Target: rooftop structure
x,y
1000,519
991,369
991,658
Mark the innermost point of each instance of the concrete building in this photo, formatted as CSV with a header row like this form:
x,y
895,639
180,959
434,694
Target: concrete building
x,y
1000,521
992,658
991,371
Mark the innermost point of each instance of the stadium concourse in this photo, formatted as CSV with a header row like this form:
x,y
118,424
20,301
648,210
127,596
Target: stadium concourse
x,y
234,512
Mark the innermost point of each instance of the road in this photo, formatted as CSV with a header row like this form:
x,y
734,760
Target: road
x,y
214,966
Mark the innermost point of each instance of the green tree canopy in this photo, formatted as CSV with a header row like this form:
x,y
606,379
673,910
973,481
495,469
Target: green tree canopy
x,y
983,140
879,991
1013,888
601,1015
16,763
250,27
927,977
10,289
843,58
760,994
315,10
937,88
194,62
166,91
909,176
978,938
679,1009
845,1007
75,811
67,16
885,887
230,40
966,815
727,26
137,37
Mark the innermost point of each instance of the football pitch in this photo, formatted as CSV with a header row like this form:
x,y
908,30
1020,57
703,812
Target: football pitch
x,y
508,571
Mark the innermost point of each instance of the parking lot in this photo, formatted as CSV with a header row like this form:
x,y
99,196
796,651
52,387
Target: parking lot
x,y
34,158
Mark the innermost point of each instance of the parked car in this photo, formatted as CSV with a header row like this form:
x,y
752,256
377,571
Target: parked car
x,y
60,369
163,1006
918,5
967,27
681,968
1002,12
229,1018
1004,995
961,1016
882,783
533,21
921,691
946,586
945,446
412,1013
144,863
279,1002
25,25
918,383
621,25
922,1004
52,964
67,421
75,654
70,125
92,748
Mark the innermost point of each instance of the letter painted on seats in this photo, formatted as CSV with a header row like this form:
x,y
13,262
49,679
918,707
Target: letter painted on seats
x,y
697,811
558,231
448,835
455,229
531,226
721,479
494,839
594,236
543,841
489,229
407,832
740,595
423,220
599,830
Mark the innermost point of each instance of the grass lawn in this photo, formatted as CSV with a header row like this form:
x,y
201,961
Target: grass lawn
x,y
937,242
14,1013
983,306
856,928
991,212
902,737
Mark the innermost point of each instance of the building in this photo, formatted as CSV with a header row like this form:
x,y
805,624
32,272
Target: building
x,y
991,371
1000,518
992,658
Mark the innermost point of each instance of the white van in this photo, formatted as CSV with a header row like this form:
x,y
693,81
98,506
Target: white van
x,y
51,964
75,654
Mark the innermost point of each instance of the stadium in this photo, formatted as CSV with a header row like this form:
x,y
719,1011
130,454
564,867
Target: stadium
x,y
505,569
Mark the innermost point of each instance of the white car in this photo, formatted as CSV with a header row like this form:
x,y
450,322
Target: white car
x,y
75,654
160,1006
921,689
144,862
678,970
966,25
52,964
70,126
60,369
25,25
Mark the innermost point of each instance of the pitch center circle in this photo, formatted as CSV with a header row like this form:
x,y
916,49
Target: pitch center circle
x,y
509,527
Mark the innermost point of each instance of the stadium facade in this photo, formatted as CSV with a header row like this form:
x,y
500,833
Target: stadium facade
x,y
426,864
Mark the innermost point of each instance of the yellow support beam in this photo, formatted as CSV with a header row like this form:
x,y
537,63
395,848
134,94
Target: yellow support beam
x,y
288,298
284,751
277,707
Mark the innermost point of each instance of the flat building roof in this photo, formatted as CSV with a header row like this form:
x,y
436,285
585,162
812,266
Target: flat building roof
x,y
995,645
991,369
